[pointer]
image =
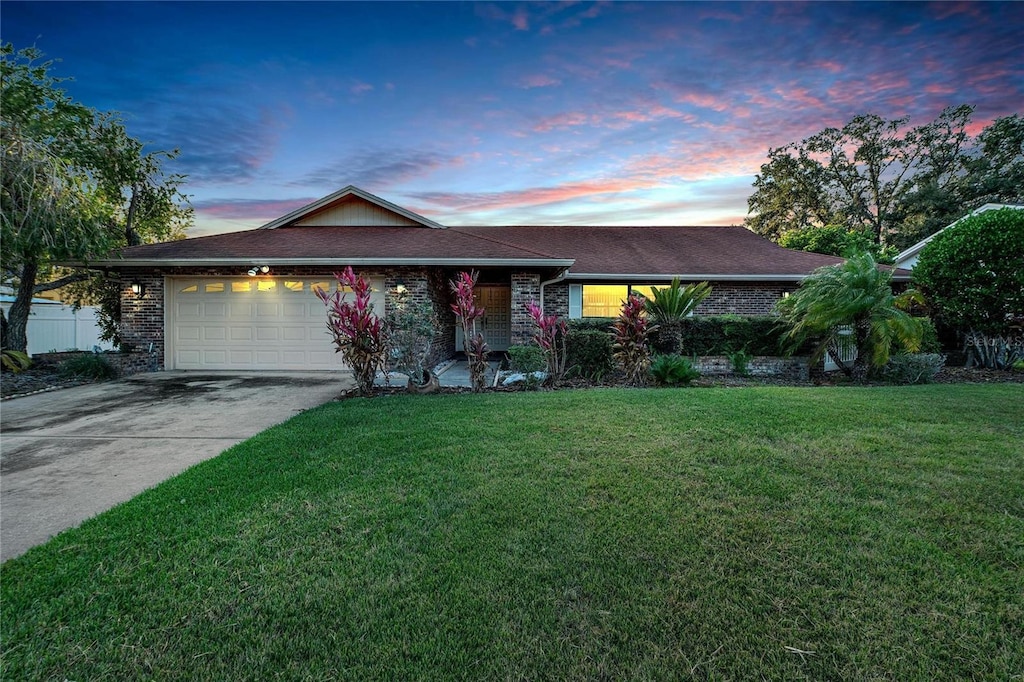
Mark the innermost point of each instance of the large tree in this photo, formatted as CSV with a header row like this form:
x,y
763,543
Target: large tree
x,y
891,182
75,186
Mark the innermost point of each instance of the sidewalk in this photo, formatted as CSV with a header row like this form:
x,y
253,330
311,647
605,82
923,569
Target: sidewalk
x,y
452,373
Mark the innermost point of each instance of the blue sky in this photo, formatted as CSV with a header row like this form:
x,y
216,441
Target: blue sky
x,y
621,113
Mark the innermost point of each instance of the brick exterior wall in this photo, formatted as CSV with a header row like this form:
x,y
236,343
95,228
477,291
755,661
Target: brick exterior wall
x,y
125,364
556,300
525,288
142,318
744,298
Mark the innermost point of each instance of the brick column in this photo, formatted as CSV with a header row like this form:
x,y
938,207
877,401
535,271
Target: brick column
x,y
142,317
525,288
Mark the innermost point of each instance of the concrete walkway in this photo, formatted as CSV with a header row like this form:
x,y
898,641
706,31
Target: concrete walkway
x,y
68,455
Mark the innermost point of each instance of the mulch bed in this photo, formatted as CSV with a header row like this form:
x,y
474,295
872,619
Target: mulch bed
x,y
40,379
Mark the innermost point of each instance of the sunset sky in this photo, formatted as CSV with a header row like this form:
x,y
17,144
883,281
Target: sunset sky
x,y
615,113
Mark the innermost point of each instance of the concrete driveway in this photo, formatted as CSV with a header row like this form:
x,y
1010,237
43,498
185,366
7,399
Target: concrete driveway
x,y
70,454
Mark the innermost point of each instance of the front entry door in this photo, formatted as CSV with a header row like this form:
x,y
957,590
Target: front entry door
x,y
496,324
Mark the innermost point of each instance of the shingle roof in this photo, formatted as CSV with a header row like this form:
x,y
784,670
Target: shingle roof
x,y
666,251
590,252
307,244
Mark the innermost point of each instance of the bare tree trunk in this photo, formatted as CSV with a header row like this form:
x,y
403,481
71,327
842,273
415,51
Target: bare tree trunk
x,y
862,363
17,317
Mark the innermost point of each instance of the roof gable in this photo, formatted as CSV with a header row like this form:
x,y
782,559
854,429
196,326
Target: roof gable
x,y
351,206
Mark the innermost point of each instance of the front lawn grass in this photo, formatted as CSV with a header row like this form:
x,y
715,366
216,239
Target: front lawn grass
x,y
758,533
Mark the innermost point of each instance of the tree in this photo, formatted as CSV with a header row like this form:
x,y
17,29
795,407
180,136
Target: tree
x,y
888,181
835,240
972,274
851,303
669,306
75,186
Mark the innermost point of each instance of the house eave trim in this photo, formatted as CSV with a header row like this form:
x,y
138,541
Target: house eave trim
x,y
656,277
281,262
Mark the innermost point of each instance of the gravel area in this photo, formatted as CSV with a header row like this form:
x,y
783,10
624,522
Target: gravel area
x,y
34,380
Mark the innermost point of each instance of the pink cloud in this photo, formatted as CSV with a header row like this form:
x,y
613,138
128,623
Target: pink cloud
x,y
538,81
532,196
939,89
562,121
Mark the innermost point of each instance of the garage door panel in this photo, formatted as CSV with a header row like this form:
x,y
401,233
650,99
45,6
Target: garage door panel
x,y
258,323
215,310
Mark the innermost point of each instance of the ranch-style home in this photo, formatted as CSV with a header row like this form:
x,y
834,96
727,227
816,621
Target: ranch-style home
x,y
245,301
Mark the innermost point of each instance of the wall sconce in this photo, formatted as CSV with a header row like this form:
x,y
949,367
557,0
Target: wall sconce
x,y
258,270
138,288
400,288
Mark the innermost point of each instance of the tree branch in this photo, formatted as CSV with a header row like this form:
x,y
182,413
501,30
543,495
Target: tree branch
x,y
63,281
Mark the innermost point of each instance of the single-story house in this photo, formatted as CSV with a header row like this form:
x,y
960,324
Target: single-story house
x,y
244,300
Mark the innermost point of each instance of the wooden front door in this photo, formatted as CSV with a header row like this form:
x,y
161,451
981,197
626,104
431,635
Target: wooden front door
x,y
496,324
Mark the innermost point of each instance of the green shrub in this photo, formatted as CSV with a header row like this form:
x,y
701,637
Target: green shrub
x,y
92,366
722,334
913,368
972,273
589,352
740,359
526,359
601,324
673,370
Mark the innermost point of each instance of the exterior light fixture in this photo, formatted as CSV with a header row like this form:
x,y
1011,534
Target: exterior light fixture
x,y
258,270
138,288
400,288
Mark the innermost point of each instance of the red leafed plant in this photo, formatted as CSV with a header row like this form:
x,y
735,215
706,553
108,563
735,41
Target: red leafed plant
x,y
358,332
632,351
549,333
473,343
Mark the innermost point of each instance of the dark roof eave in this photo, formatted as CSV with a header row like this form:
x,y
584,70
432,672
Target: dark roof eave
x,y
122,264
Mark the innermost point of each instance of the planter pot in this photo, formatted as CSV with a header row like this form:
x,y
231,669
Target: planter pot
x,y
429,383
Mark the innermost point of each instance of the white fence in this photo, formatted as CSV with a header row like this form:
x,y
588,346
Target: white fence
x,y
847,351
52,326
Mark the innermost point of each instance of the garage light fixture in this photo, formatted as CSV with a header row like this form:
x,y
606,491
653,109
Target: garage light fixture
x,y
138,288
258,270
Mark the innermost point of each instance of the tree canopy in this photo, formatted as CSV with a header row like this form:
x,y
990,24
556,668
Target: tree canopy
x,y
75,186
972,274
893,183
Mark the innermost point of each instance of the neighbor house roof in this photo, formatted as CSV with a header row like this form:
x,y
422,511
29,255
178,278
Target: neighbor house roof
x,y
908,257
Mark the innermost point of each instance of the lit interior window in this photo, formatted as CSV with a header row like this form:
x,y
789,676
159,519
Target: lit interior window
x,y
190,289
214,287
266,285
603,300
293,286
644,290
241,287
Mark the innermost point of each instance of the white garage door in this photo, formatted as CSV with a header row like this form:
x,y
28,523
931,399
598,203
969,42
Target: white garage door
x,y
251,323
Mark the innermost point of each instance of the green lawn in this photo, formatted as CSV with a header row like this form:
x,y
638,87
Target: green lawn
x,y
775,533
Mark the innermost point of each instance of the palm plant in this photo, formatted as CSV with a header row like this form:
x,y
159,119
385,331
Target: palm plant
x,y
852,303
670,305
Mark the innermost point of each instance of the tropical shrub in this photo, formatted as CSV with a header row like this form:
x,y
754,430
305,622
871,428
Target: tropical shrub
x,y
549,334
92,366
631,349
14,361
669,306
994,352
410,332
721,334
467,313
589,352
526,359
673,370
358,332
913,368
855,301
972,273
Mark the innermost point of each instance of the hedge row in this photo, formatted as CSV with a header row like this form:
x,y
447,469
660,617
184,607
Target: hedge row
x,y
707,334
